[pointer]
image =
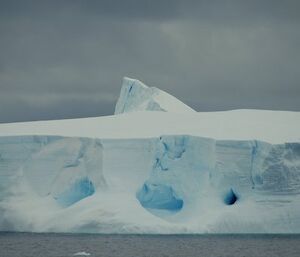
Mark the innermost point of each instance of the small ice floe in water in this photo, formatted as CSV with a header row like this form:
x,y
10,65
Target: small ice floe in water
x,y
82,254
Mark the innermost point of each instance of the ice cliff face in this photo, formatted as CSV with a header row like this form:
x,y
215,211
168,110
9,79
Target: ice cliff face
x,y
152,172
169,184
136,96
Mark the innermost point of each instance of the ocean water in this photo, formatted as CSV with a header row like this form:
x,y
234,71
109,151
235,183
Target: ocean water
x,y
63,245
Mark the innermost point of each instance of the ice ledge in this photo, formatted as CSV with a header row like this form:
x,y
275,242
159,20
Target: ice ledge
x,y
136,96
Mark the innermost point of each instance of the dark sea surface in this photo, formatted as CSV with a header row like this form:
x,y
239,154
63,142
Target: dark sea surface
x,y
63,245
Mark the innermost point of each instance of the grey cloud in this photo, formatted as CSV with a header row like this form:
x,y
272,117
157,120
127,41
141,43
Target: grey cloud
x,y
155,10
62,59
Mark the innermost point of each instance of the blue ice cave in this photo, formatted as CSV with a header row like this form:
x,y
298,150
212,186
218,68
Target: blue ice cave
x,y
79,190
230,197
158,196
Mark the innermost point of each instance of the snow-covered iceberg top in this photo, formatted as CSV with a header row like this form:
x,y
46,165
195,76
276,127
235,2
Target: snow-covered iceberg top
x,y
136,96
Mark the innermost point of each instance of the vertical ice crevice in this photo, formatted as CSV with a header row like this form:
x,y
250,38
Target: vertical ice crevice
x,y
169,149
253,156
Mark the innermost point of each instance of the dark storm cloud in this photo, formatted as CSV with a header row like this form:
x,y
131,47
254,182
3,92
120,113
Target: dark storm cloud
x,y
161,10
63,59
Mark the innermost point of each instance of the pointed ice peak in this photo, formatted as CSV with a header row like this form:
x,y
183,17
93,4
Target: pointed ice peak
x,y
136,96
132,82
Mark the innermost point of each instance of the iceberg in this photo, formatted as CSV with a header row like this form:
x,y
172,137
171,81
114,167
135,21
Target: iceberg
x,y
136,96
153,170
81,254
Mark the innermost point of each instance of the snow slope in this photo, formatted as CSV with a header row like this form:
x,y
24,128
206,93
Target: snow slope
x,y
153,172
136,96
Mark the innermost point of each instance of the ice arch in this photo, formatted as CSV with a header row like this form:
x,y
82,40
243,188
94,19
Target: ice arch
x,y
79,190
158,196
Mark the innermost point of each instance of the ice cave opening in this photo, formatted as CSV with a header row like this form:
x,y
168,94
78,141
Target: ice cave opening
x,y
77,191
230,198
159,196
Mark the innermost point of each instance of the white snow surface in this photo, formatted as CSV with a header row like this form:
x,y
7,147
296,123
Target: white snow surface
x,y
153,172
136,96
269,126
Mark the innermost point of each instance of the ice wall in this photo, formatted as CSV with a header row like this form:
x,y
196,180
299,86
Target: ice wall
x,y
52,165
136,96
169,184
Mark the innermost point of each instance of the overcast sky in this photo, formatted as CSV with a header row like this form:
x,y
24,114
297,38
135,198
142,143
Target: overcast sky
x,y
65,59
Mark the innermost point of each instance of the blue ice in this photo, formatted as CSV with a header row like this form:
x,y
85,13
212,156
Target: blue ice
x,y
230,198
81,189
158,196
